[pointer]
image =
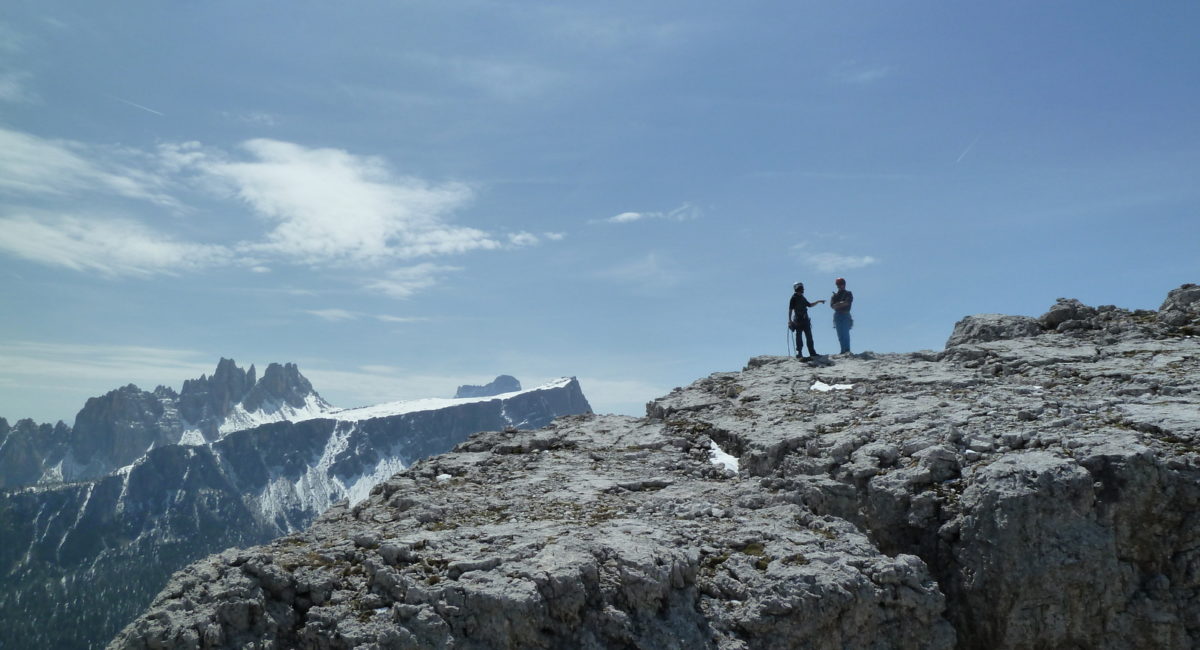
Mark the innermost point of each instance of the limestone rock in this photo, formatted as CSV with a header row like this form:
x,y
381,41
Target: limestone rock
x,y
1024,489
992,327
1182,309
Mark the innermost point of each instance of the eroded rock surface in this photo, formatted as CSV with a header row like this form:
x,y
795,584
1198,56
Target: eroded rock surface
x,y
1026,487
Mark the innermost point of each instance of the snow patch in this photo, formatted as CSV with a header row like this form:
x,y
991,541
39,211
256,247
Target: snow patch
x,y
239,419
360,488
319,488
718,457
192,438
825,388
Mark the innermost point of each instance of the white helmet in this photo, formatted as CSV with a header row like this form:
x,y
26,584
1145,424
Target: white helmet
x,y
799,286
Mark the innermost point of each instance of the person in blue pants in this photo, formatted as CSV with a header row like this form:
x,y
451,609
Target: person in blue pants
x,y
842,322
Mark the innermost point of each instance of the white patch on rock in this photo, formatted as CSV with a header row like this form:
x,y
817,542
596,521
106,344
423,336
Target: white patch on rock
x,y
825,388
718,457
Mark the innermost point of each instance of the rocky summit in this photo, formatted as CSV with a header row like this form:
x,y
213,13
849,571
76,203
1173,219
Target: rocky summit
x,y
1034,485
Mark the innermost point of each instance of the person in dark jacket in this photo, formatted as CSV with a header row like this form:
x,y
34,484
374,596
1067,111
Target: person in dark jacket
x,y
798,320
842,322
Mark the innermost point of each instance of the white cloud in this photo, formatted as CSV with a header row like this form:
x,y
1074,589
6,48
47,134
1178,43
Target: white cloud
x,y
404,282
36,166
523,239
400,319
332,315
684,212
108,246
322,207
555,236
330,206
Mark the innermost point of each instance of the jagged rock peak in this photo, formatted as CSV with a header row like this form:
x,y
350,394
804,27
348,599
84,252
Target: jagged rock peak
x,y
214,397
499,385
279,384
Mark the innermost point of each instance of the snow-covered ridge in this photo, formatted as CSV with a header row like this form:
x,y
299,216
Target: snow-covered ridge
x,y
426,404
240,418
274,411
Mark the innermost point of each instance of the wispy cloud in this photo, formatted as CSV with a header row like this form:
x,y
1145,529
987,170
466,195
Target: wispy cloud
x,y
857,73
503,79
400,319
340,315
406,281
108,246
830,262
332,315
523,239
684,212
13,81
25,362
650,273
967,150
30,165
252,118
14,88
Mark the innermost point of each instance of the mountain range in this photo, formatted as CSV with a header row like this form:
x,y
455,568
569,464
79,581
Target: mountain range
x,y
97,516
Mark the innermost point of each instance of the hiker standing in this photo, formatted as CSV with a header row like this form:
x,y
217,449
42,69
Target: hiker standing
x,y
798,319
842,322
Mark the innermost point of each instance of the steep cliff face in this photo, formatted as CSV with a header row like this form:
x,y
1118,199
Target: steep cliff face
x,y
88,556
29,450
1036,484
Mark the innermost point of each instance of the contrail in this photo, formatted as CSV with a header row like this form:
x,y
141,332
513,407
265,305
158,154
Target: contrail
x,y
148,110
966,151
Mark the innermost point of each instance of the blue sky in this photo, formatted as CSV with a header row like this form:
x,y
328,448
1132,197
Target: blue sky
x,y
406,196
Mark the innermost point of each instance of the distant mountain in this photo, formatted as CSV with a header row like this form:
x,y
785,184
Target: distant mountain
x,y
229,461
119,427
499,386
